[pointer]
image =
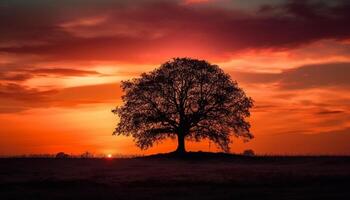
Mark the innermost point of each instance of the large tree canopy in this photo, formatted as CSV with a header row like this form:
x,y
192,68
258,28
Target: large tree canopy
x,y
184,99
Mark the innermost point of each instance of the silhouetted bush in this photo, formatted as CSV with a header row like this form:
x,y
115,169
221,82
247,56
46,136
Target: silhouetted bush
x,y
62,155
248,152
87,155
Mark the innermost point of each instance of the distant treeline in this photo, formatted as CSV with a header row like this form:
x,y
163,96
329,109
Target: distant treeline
x,y
64,155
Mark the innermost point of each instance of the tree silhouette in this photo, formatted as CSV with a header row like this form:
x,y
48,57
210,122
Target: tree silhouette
x,y
184,99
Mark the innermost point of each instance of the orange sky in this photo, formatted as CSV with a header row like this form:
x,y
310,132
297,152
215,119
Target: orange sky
x,y
61,64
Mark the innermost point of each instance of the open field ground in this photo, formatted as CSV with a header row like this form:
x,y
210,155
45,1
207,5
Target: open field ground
x,y
165,177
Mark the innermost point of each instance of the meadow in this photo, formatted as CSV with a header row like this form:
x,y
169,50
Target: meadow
x,y
197,176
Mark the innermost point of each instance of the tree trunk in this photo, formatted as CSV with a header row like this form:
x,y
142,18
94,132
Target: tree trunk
x,y
180,144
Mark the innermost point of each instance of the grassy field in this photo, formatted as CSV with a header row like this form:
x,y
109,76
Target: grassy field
x,y
167,177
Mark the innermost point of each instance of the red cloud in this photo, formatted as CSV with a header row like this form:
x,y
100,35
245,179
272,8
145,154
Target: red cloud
x,y
62,72
23,74
17,97
18,92
155,30
333,75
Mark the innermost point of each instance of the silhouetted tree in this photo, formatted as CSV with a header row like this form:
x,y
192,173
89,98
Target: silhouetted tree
x,y
187,99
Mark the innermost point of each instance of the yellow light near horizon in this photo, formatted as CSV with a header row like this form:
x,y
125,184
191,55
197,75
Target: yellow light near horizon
x,y
109,156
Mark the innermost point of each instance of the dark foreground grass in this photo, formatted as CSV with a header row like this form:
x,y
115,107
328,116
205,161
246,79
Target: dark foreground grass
x,y
197,176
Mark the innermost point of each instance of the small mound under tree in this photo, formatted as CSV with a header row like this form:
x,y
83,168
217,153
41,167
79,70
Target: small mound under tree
x,y
187,99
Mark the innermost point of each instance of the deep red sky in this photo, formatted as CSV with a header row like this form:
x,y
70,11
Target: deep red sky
x,y
61,62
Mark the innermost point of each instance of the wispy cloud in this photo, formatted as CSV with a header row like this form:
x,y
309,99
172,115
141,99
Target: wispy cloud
x,y
303,77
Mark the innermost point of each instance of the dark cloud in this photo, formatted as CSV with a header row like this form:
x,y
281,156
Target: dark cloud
x,y
161,29
304,77
14,77
23,74
330,112
314,76
17,98
62,72
19,92
16,95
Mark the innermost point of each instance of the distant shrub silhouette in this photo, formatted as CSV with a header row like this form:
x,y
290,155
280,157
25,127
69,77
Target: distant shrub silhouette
x,y
87,155
249,152
62,155
185,99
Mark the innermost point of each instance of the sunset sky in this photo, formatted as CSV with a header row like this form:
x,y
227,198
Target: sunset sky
x,y
61,62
